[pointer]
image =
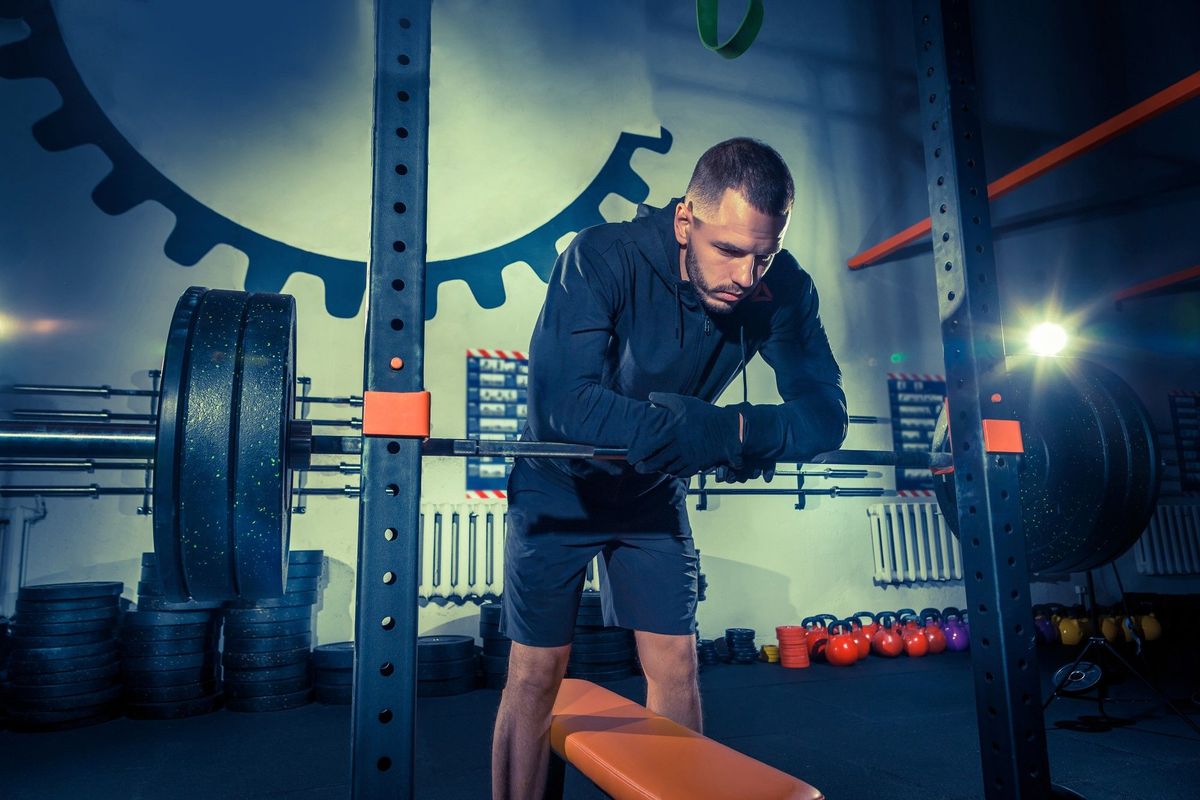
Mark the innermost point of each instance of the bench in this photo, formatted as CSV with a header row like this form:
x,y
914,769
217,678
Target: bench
x,y
631,752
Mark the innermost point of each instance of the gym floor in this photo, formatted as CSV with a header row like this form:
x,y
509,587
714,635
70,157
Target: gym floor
x,y
881,727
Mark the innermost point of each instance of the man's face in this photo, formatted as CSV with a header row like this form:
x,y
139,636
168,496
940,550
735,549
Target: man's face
x,y
726,253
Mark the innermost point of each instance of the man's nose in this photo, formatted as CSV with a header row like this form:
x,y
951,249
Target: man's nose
x,y
743,272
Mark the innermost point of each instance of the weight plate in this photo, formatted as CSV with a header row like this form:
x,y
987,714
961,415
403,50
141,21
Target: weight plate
x,y
274,702
170,647
604,636
334,695
61,720
107,614
265,395
23,629
336,655
55,606
495,680
66,640
489,613
334,677
36,692
304,570
586,648
444,688
240,616
488,630
59,659
444,648
257,630
159,603
167,663
1063,472
169,694
1084,676
236,675
166,633
63,592
149,588
206,463
71,702
149,560
242,689
157,679
305,556
292,600
87,670
302,584
497,647
168,440
174,710
142,618
441,670
268,644
265,660
495,663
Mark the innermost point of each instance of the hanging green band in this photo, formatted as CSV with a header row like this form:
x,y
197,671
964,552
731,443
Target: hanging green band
x,y
743,37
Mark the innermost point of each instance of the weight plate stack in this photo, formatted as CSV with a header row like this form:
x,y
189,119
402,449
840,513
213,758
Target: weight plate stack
x,y
706,653
333,673
446,665
150,595
494,653
62,670
170,659
602,654
701,580
590,615
740,643
268,642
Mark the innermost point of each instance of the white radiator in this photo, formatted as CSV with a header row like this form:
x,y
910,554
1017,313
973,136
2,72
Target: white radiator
x,y
912,542
462,553
1170,544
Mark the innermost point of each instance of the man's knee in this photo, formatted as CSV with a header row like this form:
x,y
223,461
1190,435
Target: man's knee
x,y
536,670
667,660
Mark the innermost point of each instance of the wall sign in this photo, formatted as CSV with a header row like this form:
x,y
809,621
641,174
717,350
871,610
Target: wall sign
x,y
497,392
916,401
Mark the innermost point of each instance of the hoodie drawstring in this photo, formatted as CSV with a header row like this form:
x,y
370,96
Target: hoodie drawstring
x,y
742,337
679,319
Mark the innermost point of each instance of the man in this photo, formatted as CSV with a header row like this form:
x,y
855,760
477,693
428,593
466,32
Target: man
x,y
645,324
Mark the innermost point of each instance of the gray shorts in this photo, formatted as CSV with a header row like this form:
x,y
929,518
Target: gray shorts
x,y
648,564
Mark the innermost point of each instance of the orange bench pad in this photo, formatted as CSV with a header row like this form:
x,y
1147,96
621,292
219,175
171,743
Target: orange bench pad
x,y
633,754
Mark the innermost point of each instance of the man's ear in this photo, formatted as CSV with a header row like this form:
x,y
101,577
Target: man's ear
x,y
683,220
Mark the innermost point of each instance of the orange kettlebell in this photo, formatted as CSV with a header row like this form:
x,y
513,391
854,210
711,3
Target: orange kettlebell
x,y
817,638
932,620
842,650
915,643
886,642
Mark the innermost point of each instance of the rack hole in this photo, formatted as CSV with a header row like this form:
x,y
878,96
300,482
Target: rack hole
x,y
386,669
397,324
390,534
402,133
947,266
384,764
946,236
949,295
399,246
392,490
982,608
403,60
402,96
401,169
393,447
387,623
385,715
398,285
389,578
405,23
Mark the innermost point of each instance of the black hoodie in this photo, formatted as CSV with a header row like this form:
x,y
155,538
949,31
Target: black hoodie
x,y
619,323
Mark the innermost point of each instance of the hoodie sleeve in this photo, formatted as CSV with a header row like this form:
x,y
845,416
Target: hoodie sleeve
x,y
567,402
812,417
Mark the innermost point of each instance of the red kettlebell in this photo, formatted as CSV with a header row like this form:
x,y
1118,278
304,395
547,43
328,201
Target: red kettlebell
x,y
817,638
907,617
862,639
842,650
933,630
872,627
886,642
915,643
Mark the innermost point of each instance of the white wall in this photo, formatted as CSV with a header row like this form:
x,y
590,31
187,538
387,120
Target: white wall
x,y
265,117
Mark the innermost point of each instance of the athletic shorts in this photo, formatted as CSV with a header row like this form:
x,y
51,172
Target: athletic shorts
x,y
648,563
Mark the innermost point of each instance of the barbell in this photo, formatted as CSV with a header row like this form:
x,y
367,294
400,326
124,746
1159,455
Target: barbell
x,y
225,444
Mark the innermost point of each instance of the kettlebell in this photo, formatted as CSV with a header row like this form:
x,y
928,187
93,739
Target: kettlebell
x,y
932,620
1070,632
862,639
842,650
871,627
915,643
1110,628
887,642
817,638
956,637
1047,632
1151,627
907,617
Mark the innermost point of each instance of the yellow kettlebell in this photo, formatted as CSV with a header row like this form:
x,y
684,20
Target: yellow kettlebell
x,y
1069,631
1151,627
1110,628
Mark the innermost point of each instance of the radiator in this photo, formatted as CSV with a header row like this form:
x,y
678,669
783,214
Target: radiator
x,y
913,543
1170,544
461,553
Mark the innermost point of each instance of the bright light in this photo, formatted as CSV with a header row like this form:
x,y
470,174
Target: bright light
x,y
1047,339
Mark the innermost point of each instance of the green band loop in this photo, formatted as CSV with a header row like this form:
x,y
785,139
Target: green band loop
x,y
743,37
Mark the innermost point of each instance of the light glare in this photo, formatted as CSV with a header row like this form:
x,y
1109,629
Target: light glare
x,y
1047,339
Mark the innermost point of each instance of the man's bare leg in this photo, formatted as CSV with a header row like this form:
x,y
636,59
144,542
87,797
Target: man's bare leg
x,y
521,740
672,688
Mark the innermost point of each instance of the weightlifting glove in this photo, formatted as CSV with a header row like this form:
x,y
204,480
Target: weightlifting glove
x,y
696,436
748,472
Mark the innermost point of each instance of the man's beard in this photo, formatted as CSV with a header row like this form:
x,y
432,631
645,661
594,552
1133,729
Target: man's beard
x,y
703,289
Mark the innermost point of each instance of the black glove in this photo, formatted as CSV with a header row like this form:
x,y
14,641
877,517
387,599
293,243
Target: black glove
x,y
752,470
697,436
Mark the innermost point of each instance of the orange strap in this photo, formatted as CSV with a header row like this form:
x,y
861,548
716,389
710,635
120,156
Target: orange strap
x,y
401,415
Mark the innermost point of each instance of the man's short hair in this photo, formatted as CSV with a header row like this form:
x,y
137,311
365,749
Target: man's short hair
x,y
748,166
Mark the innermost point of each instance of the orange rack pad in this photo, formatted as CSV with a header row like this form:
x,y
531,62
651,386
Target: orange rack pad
x,y
631,752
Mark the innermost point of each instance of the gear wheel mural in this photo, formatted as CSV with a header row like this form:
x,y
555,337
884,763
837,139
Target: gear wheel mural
x,y
198,228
